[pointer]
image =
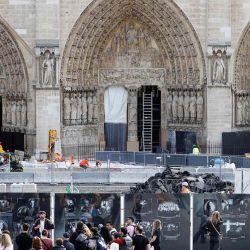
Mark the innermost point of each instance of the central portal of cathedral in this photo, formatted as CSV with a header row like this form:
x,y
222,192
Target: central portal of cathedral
x,y
145,58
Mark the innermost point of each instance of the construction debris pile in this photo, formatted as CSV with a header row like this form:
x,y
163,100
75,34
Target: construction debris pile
x,y
171,182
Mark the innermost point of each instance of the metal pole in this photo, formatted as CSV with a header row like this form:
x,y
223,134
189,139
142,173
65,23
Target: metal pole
x,y
122,217
242,179
52,212
220,167
191,219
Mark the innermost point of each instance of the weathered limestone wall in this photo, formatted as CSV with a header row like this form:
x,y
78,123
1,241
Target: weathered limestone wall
x,y
47,117
37,23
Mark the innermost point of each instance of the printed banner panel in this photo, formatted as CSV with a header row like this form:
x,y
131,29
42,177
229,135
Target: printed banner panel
x,y
171,210
18,208
235,213
93,208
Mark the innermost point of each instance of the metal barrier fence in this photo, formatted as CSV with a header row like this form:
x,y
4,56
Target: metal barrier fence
x,y
163,159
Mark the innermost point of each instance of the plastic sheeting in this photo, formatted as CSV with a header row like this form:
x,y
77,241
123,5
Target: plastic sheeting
x,y
115,136
115,103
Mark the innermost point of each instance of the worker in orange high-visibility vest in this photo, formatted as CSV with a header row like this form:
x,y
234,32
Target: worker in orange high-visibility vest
x,y
84,164
184,188
72,160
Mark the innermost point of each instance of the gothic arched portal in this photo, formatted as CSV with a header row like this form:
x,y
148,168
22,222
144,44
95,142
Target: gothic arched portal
x,y
242,81
13,82
132,44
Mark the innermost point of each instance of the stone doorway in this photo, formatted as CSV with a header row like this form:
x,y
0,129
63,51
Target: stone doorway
x,y
149,118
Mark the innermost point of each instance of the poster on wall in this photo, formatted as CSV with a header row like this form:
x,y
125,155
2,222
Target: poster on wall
x,y
235,213
171,210
18,208
93,208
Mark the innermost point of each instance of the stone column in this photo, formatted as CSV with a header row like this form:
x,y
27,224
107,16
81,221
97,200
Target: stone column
x,y
132,143
101,135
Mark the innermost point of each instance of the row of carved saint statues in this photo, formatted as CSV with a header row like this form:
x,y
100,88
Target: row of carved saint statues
x,y
243,109
185,106
15,112
80,108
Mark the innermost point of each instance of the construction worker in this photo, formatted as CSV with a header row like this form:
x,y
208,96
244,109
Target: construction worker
x,y
196,150
1,148
84,164
184,188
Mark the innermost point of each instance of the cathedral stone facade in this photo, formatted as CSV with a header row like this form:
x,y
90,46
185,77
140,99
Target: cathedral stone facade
x,y
183,65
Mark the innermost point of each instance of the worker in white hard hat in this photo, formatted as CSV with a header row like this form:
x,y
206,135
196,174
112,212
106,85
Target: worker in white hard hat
x,y
184,188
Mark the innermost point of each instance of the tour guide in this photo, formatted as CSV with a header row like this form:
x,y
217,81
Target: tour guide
x,y
42,223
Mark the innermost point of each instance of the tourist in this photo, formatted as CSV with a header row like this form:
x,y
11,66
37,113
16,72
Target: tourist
x,y
213,227
156,235
36,244
104,232
131,226
5,243
68,245
111,229
140,242
59,245
24,240
47,243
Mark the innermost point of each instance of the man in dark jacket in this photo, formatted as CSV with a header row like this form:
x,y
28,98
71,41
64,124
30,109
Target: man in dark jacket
x,y
42,223
24,240
68,245
59,245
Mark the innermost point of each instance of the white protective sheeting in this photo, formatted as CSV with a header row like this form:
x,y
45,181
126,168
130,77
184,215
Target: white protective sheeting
x,y
115,104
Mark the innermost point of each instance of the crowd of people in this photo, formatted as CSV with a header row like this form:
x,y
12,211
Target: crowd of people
x,y
85,237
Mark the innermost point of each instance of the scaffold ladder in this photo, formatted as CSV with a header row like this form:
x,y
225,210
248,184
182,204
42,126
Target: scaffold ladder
x,y
147,121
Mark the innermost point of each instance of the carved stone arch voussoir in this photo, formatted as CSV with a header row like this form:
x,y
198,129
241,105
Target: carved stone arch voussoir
x,y
242,62
13,70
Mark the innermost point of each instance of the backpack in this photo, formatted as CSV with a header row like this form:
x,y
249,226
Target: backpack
x,y
80,242
101,244
128,241
91,244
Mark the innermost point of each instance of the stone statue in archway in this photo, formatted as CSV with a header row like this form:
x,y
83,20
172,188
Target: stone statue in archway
x,y
95,109
79,108
245,109
23,113
13,113
219,69
200,102
74,109
193,107
180,106
132,38
169,102
84,108
67,109
132,112
8,111
90,107
48,69
239,113
18,113
175,105
186,105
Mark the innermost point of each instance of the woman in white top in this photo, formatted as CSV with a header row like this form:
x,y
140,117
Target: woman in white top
x,y
5,242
